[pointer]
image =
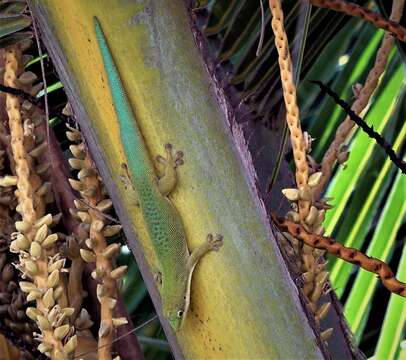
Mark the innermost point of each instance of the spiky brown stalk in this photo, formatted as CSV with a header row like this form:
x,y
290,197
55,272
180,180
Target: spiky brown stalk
x,y
309,262
350,255
34,242
12,300
90,210
344,130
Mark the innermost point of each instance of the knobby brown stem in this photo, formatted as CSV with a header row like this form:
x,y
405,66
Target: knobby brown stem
x,y
350,255
374,18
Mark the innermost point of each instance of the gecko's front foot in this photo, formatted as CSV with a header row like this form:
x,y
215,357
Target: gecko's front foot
x,y
214,242
125,178
170,162
158,277
173,159
177,158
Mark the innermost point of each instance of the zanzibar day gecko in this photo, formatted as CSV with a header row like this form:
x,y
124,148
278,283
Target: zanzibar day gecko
x,y
163,222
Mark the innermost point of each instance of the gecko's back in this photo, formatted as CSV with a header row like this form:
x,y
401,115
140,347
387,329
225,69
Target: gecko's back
x,y
163,223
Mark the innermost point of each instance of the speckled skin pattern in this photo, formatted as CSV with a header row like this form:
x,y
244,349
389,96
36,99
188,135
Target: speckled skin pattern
x,y
163,222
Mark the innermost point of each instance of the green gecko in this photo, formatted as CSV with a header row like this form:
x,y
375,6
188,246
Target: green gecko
x,y
163,222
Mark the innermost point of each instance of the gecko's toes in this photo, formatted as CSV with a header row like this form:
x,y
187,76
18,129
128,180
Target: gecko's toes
x,y
178,155
179,158
161,159
173,159
179,162
215,242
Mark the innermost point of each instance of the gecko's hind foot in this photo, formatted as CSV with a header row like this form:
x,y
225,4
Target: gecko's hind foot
x,y
215,242
212,243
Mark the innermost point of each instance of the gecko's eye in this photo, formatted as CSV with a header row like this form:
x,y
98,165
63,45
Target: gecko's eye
x,y
180,314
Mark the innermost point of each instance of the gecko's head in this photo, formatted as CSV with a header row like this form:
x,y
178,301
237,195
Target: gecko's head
x,y
176,313
176,319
